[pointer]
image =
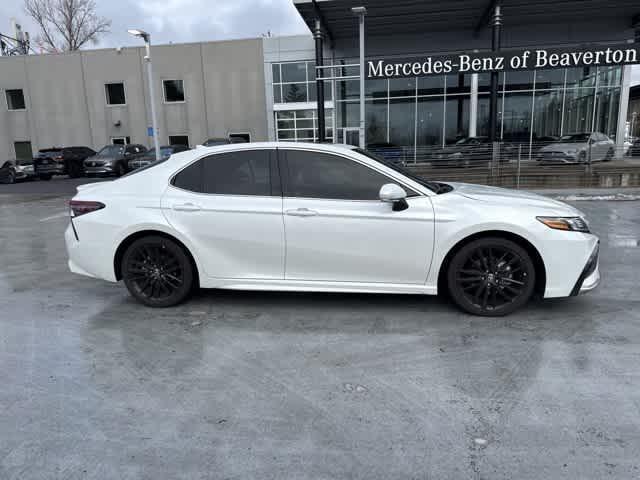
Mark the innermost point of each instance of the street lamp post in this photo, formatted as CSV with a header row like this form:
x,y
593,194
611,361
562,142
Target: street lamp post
x,y
154,122
360,12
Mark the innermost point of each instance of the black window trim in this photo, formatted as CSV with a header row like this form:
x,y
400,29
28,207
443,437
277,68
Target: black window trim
x,y
284,169
274,175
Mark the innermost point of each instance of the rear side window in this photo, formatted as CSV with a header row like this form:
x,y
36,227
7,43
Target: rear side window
x,y
233,173
322,175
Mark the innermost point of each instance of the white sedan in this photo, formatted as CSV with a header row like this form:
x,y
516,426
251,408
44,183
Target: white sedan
x,y
308,217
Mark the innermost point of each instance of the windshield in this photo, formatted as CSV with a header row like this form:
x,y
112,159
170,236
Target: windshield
x,y
394,166
577,137
111,151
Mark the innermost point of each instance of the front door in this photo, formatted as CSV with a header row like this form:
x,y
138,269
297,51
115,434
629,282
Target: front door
x,y
229,206
338,230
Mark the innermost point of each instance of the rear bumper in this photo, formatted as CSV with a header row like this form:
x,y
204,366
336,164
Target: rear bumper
x,y
590,277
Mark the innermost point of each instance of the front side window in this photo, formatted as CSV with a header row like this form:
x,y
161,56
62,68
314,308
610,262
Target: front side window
x,y
111,151
15,99
233,173
115,94
173,90
322,175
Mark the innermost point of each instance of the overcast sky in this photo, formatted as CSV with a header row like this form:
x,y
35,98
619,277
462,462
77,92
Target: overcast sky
x,y
187,20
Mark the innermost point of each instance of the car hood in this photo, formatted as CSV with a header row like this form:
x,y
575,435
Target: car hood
x,y
563,147
515,198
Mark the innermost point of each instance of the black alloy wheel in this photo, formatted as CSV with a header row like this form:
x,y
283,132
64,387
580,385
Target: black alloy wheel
x,y
609,155
75,170
157,271
120,169
9,178
491,277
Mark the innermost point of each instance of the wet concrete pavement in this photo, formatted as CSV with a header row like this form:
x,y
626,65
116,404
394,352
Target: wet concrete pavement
x,y
276,385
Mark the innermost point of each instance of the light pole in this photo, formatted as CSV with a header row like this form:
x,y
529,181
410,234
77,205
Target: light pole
x,y
360,12
154,122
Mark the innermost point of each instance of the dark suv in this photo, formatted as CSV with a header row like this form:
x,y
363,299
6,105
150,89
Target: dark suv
x,y
112,159
61,161
150,157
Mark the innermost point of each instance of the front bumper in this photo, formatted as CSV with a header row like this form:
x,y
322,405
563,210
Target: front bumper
x,y
558,158
50,169
590,277
99,170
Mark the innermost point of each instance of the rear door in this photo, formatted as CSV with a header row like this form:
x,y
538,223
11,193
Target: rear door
x,y
229,206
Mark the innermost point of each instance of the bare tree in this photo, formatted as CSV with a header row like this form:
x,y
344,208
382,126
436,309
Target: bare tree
x,y
66,25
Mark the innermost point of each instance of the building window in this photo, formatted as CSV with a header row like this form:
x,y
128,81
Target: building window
x,y
115,94
179,140
295,82
173,90
15,99
239,137
301,125
23,150
120,140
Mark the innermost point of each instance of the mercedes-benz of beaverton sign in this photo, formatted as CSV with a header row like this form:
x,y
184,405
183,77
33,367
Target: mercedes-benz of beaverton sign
x,y
311,217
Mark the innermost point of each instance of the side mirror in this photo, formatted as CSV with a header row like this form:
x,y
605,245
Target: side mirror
x,y
394,194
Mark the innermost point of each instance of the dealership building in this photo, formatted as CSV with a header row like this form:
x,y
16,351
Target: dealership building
x,y
433,72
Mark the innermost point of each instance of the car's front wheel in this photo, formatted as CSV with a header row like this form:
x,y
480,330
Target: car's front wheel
x,y
491,277
157,271
9,178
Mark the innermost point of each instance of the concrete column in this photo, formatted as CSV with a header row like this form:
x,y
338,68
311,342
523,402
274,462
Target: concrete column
x,y
623,109
473,106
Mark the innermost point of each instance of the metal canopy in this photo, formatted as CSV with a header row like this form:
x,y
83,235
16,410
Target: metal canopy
x,y
386,17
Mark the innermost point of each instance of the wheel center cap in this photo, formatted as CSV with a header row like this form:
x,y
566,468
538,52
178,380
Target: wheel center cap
x,y
491,278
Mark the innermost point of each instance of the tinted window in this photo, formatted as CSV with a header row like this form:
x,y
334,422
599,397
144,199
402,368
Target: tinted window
x,y
321,175
173,90
15,99
234,173
238,173
190,178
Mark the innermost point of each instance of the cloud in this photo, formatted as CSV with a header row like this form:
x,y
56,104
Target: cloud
x,y
181,20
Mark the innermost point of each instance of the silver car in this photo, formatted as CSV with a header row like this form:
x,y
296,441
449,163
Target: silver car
x,y
578,148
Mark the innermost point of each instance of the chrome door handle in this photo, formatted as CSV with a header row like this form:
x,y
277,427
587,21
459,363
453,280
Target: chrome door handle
x,y
186,207
301,212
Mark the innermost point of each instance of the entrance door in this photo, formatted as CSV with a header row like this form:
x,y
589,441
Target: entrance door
x,y
338,230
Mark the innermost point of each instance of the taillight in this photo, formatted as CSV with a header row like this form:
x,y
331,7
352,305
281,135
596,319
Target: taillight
x,y
80,207
58,158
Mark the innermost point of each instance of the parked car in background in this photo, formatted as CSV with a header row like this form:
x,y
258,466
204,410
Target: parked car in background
x,y
578,148
149,156
61,161
12,171
212,142
112,159
634,149
389,151
466,152
268,216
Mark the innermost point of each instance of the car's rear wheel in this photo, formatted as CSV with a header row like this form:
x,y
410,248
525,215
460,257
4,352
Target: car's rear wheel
x,y
491,277
157,271
120,169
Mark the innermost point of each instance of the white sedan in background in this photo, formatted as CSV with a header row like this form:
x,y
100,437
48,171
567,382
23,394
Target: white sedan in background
x,y
309,217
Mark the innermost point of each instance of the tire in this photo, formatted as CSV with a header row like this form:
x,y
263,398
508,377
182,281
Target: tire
x,y
9,178
609,155
120,169
75,170
157,271
491,277
45,176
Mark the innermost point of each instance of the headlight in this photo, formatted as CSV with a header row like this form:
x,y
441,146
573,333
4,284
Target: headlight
x,y
572,224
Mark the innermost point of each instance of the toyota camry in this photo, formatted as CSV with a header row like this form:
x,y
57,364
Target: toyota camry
x,y
311,217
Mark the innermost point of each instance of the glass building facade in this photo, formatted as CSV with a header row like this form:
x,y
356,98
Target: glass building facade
x,y
433,111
